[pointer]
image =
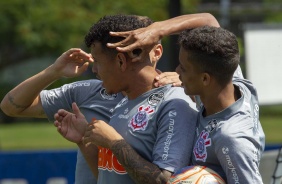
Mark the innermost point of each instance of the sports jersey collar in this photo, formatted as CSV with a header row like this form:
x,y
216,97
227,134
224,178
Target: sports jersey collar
x,y
227,112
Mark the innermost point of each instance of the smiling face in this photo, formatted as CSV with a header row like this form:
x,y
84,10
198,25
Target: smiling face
x,y
106,67
190,75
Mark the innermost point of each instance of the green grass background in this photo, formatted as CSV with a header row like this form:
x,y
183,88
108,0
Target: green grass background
x,y
32,136
44,136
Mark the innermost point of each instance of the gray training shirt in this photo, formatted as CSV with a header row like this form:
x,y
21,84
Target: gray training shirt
x,y
92,100
232,141
159,125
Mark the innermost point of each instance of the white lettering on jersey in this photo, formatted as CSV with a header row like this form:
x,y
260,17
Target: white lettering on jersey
x,y
172,114
255,118
74,85
225,151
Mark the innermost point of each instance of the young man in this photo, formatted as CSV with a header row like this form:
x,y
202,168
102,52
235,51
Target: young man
x,y
29,99
229,137
150,134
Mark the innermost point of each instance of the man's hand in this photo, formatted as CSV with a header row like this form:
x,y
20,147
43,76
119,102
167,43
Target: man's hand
x,y
167,78
101,134
142,38
72,63
71,126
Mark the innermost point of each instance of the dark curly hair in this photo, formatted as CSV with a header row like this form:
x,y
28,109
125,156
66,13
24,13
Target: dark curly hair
x,y
214,50
100,30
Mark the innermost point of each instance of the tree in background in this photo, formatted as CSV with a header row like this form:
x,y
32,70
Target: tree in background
x,y
32,28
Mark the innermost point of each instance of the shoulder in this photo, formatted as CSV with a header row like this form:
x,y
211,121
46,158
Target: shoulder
x,y
176,95
91,83
234,128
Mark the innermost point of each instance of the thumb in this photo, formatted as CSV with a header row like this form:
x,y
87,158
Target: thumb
x,y
75,109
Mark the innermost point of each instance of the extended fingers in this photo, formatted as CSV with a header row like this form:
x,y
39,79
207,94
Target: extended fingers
x,y
126,45
167,78
81,56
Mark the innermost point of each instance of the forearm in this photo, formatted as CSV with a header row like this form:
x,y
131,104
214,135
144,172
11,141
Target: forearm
x,y
20,100
177,24
140,170
90,154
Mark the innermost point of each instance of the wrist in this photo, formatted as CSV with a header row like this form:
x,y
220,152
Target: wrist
x,y
115,141
80,144
52,73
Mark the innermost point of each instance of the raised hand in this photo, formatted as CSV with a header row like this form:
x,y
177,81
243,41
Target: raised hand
x,y
143,38
71,126
72,63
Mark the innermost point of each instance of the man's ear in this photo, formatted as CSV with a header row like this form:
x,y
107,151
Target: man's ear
x,y
121,60
157,52
206,79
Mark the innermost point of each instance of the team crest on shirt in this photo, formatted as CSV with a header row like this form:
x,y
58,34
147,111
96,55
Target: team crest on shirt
x,y
200,148
155,98
107,96
211,125
140,120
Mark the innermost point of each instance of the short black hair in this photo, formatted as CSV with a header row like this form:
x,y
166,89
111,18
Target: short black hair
x,y
116,23
213,49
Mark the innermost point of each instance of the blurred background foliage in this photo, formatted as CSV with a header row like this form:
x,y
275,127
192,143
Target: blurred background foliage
x,y
35,32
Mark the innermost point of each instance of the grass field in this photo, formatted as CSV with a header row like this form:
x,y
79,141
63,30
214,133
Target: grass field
x,y
32,136
43,135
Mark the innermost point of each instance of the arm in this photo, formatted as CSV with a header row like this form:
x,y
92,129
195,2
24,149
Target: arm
x,y
239,158
24,100
90,153
139,169
144,38
72,127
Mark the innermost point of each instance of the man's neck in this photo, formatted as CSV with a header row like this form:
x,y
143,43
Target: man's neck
x,y
140,83
217,100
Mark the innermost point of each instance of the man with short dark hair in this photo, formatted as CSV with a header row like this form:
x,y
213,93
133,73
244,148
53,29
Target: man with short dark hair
x,y
150,134
229,138
31,99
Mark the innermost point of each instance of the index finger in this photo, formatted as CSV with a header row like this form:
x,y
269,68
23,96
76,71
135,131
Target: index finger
x,y
128,44
120,43
167,75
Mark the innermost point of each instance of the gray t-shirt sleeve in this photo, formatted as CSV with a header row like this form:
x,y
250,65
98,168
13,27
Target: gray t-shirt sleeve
x,y
239,166
176,129
63,97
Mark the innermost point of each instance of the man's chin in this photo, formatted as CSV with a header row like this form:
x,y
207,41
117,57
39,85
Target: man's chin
x,y
186,91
